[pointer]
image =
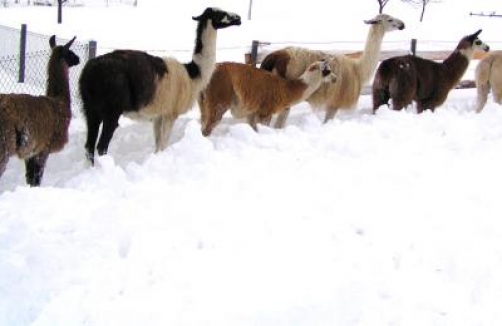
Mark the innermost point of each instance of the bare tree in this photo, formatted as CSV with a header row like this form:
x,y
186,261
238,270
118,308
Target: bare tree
x,y
422,4
381,5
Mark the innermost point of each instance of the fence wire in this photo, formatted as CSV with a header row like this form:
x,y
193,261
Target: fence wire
x,y
36,60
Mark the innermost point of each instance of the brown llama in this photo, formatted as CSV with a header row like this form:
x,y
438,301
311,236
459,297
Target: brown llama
x,y
32,127
489,77
255,93
408,78
351,73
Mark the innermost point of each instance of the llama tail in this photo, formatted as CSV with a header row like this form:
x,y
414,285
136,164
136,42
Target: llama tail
x,y
482,76
401,82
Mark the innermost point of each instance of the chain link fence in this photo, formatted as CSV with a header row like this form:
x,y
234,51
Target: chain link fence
x,y
23,62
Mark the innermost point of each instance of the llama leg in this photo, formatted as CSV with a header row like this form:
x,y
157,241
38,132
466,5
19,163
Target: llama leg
x,y
213,119
162,126
265,119
497,97
4,159
35,169
423,105
380,97
420,107
397,105
93,123
330,113
110,123
483,90
204,114
252,120
281,119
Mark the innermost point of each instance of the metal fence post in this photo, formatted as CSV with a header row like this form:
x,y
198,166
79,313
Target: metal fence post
x,y
22,54
93,46
254,53
413,48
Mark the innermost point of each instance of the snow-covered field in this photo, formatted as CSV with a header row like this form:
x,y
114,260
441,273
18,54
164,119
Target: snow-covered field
x,y
386,219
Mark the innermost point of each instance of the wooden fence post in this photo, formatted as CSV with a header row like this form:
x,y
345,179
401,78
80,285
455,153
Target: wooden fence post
x,y
22,54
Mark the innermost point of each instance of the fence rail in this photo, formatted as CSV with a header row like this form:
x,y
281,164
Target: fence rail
x,y
23,62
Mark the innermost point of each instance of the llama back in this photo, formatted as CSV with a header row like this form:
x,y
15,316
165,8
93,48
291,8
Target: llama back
x,y
301,59
259,95
176,81
344,93
125,76
245,89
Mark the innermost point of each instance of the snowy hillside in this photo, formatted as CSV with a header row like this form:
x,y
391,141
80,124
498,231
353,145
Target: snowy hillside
x,y
386,219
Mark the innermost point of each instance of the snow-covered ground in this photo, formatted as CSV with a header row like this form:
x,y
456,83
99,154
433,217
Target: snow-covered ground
x,y
386,219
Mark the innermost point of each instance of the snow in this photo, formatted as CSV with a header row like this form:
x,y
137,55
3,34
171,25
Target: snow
x,y
386,219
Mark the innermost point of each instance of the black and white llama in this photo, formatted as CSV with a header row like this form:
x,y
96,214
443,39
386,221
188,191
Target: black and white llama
x,y
143,86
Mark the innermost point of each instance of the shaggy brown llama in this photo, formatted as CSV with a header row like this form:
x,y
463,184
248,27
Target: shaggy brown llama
x,y
32,127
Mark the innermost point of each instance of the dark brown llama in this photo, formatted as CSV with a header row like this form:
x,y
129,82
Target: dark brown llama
x,y
32,127
408,78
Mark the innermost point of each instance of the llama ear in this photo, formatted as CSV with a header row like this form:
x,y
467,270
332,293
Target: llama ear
x,y
67,45
371,21
52,41
205,13
474,36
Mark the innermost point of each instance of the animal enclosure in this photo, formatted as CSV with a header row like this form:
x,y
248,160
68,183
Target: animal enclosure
x,y
23,61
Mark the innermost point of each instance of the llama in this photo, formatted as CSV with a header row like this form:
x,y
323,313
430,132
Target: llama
x,y
352,73
408,78
32,127
489,77
255,93
147,87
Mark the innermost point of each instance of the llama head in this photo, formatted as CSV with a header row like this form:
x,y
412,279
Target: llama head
x,y
388,22
323,68
63,52
471,42
219,18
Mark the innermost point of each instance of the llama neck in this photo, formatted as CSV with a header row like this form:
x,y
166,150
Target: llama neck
x,y
312,82
57,83
368,61
456,64
204,55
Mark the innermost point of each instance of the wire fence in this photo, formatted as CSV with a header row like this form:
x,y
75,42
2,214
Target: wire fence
x,y
23,62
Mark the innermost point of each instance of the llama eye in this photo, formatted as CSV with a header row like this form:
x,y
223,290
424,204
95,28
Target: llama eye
x,y
477,42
